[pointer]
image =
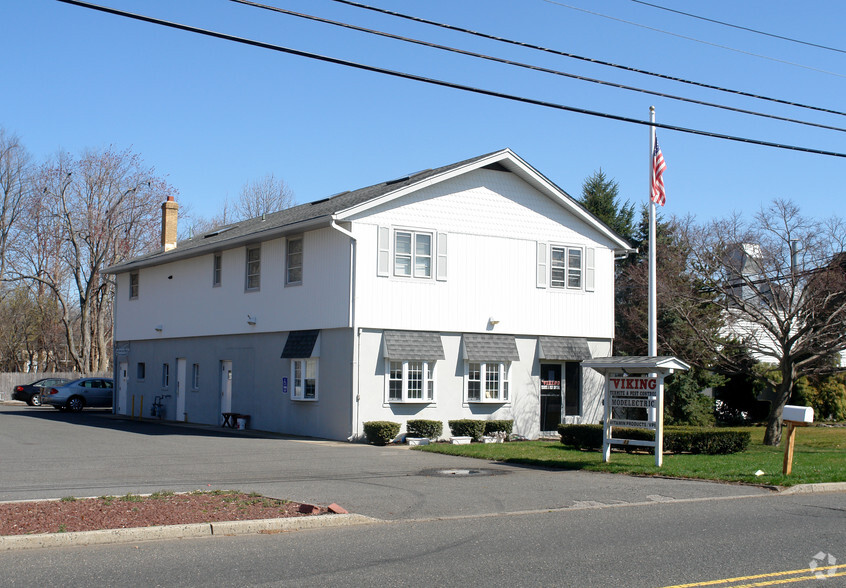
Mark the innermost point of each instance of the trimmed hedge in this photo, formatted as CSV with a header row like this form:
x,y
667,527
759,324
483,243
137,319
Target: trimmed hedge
x,y
676,439
501,426
381,432
424,428
467,428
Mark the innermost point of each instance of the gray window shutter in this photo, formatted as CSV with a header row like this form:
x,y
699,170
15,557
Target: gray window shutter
x,y
383,264
543,264
441,271
590,269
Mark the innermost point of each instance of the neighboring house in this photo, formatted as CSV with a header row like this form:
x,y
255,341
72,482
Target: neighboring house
x,y
469,291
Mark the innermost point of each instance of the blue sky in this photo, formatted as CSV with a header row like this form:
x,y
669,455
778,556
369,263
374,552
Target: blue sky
x,y
211,115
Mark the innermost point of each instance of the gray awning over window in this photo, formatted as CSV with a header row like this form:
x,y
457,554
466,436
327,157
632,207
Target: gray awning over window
x,y
413,345
479,348
563,348
300,344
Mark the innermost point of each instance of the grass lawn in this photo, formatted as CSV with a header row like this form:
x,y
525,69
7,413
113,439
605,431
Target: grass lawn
x,y
819,455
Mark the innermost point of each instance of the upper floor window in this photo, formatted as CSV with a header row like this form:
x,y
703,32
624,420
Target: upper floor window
x,y
565,267
253,267
133,285
413,254
217,268
294,261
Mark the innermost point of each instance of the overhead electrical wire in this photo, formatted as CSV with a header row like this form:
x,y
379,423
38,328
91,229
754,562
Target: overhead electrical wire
x,y
588,59
443,83
742,28
672,34
532,67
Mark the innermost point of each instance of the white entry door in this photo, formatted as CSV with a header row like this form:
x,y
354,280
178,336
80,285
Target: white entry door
x,y
225,388
123,380
180,389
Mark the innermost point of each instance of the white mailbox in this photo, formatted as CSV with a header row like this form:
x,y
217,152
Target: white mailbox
x,y
798,414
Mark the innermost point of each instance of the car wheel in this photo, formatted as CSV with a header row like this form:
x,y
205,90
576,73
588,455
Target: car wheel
x,y
75,403
35,400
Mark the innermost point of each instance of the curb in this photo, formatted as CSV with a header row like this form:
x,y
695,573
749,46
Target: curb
x,y
224,528
815,488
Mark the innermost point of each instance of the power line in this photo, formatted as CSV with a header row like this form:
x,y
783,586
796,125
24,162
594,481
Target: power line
x,y
742,28
443,83
533,67
587,59
643,26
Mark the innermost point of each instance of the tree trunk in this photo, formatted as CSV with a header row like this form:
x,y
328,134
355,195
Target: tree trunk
x,y
782,395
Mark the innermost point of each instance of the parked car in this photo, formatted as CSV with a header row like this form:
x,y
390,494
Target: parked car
x,y
31,393
76,395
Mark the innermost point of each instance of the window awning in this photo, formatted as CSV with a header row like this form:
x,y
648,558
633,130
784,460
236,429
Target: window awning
x,y
479,348
413,345
300,344
563,348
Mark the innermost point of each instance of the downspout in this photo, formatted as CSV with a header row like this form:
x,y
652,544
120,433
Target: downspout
x,y
351,323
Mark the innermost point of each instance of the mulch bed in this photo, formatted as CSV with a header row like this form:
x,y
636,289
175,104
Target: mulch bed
x,y
132,510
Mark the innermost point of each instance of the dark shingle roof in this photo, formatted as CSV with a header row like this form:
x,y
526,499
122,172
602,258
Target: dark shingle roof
x,y
300,344
413,345
277,222
481,347
564,348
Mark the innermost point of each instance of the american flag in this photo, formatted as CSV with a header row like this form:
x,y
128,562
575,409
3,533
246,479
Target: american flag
x,y
659,196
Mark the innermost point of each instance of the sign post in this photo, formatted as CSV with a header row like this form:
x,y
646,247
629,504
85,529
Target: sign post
x,y
634,386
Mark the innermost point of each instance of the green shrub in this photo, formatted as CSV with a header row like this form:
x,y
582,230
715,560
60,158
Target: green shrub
x,y
467,428
381,432
424,428
676,440
706,441
501,426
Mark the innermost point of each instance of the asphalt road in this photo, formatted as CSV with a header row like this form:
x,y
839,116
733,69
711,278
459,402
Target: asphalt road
x,y
515,526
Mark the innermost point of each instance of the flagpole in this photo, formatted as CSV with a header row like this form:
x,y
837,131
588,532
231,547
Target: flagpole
x,y
653,296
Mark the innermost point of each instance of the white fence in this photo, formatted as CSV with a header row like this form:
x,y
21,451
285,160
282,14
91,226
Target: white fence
x,y
8,381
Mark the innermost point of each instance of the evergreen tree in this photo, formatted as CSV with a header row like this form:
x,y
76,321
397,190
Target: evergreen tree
x,y
600,196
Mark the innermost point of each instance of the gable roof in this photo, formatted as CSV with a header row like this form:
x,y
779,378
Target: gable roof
x,y
322,213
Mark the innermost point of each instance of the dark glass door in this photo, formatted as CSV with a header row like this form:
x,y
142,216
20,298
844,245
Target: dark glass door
x,y
550,397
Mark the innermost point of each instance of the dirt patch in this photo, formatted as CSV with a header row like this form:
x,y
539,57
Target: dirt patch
x,y
132,510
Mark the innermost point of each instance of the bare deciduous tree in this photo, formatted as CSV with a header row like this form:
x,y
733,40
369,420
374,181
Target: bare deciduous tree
x,y
263,196
780,283
14,182
84,215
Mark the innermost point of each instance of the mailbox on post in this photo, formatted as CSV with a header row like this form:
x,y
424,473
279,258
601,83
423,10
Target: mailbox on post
x,y
794,416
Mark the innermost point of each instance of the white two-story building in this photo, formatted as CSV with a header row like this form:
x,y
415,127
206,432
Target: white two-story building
x,y
469,291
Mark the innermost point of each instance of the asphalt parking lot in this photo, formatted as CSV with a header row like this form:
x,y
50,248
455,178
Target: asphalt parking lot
x,y
49,454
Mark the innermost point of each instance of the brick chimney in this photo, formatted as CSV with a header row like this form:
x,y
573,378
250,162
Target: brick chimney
x,y
169,214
